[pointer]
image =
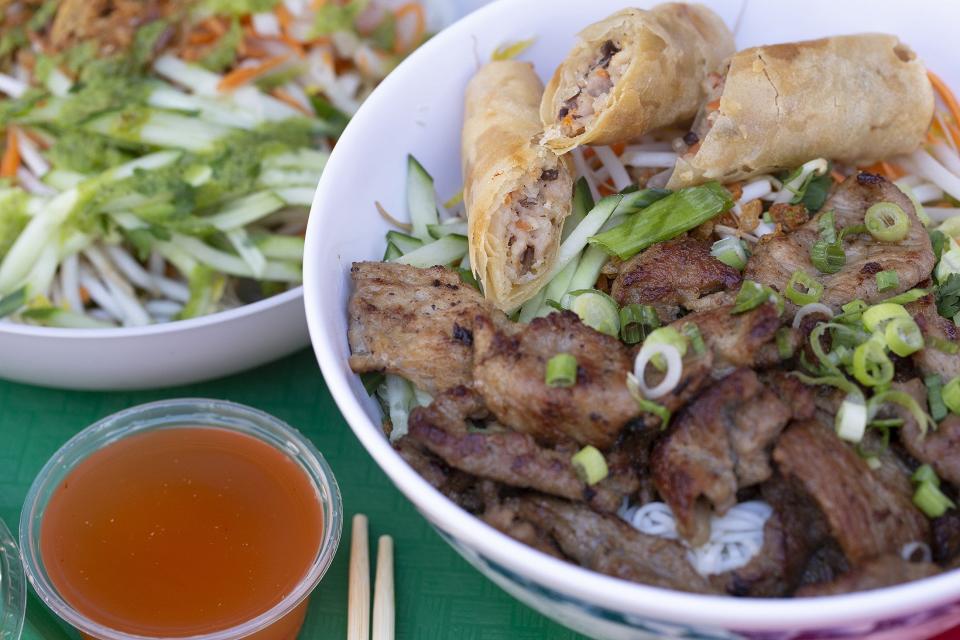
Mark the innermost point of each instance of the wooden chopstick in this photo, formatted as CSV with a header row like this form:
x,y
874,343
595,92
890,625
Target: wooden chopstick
x,y
358,603
383,608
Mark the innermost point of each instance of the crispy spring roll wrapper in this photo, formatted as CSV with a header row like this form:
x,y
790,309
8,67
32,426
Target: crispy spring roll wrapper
x,y
517,192
633,72
856,99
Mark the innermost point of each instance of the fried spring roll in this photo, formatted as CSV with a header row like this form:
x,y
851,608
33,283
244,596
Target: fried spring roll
x,y
633,72
517,192
855,99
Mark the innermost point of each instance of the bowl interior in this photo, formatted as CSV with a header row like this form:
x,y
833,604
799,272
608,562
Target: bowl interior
x,y
418,110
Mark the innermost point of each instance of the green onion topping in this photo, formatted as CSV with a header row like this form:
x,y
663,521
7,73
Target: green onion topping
x,y
887,280
851,420
590,465
925,473
871,365
951,395
784,343
887,222
730,252
827,253
596,310
903,336
931,500
803,289
938,410
876,316
637,321
908,296
692,331
752,295
666,335
561,371
946,346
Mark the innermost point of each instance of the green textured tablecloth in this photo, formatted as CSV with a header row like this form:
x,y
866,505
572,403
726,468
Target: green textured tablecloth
x,y
439,595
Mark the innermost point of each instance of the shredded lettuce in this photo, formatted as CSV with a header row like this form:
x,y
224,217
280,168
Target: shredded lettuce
x,y
224,52
13,217
239,7
332,17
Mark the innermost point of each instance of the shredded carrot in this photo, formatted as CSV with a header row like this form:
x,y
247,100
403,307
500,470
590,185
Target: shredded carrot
x,y
588,152
284,96
618,147
605,189
242,75
316,4
954,133
420,28
39,140
11,156
837,176
948,98
283,16
84,295
201,37
294,44
713,106
892,171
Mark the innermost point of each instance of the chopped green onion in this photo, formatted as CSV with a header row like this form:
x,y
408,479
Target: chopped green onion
x,y
637,321
876,316
929,499
561,371
590,465
940,344
810,290
692,332
873,462
665,219
925,473
907,296
851,420
657,409
669,336
852,230
903,336
595,309
752,295
938,410
905,400
828,227
887,222
730,252
784,343
827,257
886,423
951,395
887,280
871,365
852,311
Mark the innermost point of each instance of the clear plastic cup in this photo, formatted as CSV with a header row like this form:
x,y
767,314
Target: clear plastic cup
x,y
13,587
283,621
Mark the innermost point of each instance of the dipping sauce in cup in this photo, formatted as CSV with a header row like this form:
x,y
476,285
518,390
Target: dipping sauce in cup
x,y
182,518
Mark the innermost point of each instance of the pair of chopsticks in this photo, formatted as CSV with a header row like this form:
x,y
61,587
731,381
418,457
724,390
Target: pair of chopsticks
x,y
358,608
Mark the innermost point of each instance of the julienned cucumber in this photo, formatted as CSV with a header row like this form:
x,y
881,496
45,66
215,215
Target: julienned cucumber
x,y
421,199
440,252
403,242
454,227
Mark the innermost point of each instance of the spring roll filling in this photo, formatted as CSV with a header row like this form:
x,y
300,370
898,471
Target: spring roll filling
x,y
528,221
706,116
594,86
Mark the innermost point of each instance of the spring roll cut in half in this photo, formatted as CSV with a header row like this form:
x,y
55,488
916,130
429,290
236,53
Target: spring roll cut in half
x,y
517,192
633,72
856,99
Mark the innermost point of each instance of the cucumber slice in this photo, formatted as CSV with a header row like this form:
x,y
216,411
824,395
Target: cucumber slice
x,y
443,251
421,199
392,253
403,242
456,227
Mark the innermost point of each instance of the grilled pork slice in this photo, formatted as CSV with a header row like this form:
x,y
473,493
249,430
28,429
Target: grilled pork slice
x,y
416,323
884,571
446,428
671,275
737,340
718,444
932,361
608,545
870,513
509,372
939,448
777,257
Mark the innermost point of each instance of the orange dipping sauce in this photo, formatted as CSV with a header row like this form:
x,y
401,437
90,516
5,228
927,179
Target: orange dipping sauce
x,y
182,531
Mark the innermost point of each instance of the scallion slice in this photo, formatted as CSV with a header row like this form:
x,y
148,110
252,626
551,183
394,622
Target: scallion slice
x,y
887,222
752,295
784,343
692,332
671,377
925,473
938,410
871,365
905,400
648,406
827,257
803,289
730,252
940,344
590,465
876,316
595,309
887,280
951,395
669,336
637,321
931,500
903,336
907,296
561,371
851,420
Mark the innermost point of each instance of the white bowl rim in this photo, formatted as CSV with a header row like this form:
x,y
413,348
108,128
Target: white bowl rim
x,y
152,330
594,588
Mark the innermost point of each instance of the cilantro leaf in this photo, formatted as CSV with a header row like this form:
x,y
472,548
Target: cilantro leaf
x,y
948,296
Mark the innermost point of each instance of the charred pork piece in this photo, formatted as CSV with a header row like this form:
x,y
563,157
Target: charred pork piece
x,y
416,323
932,361
738,340
777,256
884,571
509,372
869,513
718,444
672,275
939,448
608,545
515,459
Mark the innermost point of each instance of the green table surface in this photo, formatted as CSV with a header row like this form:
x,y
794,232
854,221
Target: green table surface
x,y
439,595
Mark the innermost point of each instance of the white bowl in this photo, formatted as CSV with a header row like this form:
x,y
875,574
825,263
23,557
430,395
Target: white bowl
x,y
159,355
418,110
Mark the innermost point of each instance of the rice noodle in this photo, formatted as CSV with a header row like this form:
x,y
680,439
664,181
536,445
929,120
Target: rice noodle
x,y
909,551
650,159
70,282
266,24
756,189
30,155
32,184
583,170
618,173
923,164
947,156
100,295
12,86
131,268
927,193
120,290
940,214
